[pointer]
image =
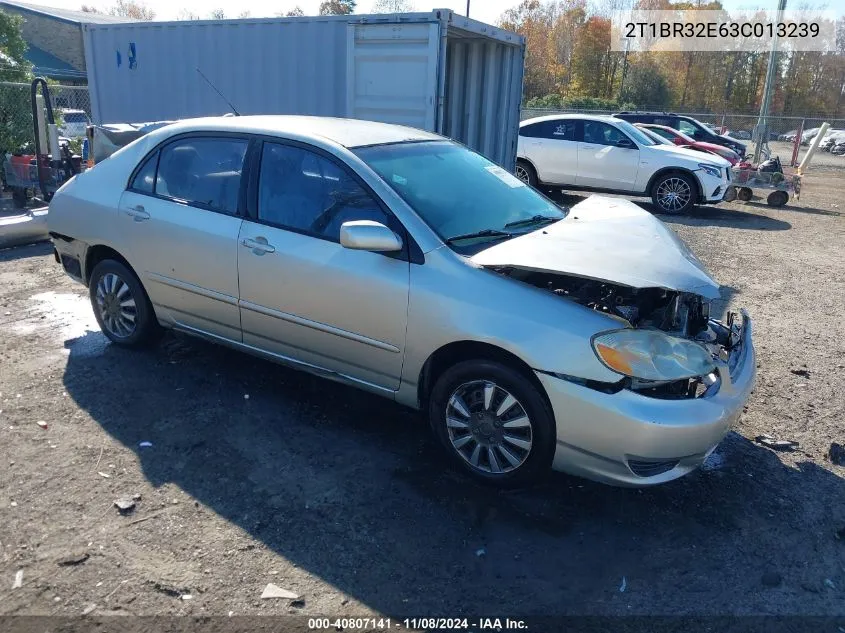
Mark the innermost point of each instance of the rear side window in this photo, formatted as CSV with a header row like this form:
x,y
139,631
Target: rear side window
x,y
562,130
202,171
145,179
535,130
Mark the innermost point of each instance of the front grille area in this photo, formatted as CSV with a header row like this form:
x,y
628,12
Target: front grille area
x,y
644,468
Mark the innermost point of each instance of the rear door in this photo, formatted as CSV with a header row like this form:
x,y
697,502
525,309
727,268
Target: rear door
x,y
602,160
180,215
552,147
392,74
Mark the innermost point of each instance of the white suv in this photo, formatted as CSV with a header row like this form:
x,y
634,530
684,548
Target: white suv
x,y
603,153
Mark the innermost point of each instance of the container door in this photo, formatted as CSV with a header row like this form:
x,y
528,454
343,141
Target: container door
x,y
392,73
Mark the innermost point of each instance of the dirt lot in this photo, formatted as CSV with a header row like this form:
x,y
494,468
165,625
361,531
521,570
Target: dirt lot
x,y
258,474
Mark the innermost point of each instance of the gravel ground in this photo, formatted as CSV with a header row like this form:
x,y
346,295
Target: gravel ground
x,y
259,474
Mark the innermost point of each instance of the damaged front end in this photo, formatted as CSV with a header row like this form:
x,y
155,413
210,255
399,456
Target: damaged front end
x,y
681,315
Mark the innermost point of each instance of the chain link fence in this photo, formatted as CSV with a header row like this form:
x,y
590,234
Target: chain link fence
x,y
71,109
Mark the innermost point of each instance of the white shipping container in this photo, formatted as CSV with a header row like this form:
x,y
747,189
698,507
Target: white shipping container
x,y
437,71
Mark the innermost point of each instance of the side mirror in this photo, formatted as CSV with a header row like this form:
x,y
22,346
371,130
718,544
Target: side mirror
x,y
366,235
625,143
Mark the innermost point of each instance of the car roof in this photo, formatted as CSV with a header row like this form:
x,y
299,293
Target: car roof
x,y
560,117
346,132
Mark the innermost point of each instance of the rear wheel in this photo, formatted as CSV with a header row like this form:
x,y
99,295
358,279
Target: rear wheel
x,y
121,305
674,193
744,193
777,198
526,173
493,422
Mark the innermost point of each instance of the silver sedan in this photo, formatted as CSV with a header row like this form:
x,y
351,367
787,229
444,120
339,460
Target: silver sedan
x,y
405,264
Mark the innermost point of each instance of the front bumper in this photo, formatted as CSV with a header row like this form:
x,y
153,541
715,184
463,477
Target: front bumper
x,y
712,188
607,437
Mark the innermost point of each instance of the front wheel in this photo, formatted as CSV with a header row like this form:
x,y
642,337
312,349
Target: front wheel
x,y
121,305
493,423
673,193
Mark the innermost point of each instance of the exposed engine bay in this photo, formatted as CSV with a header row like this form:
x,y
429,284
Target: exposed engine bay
x,y
680,314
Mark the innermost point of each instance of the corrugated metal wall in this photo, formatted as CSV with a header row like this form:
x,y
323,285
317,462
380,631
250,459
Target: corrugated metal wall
x,y
483,93
147,72
386,68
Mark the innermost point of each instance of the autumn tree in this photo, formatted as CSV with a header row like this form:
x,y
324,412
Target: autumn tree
x,y
645,85
393,6
337,7
132,9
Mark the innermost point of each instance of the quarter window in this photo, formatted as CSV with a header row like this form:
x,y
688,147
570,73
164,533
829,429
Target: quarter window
x,y
303,191
203,171
145,178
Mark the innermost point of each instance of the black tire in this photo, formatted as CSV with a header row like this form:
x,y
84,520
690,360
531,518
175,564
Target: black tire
x,y
526,173
535,462
683,187
19,197
777,198
745,194
145,329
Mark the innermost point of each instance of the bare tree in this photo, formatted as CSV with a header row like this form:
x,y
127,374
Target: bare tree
x,y
244,14
218,14
393,6
185,14
337,7
133,9
296,12
89,9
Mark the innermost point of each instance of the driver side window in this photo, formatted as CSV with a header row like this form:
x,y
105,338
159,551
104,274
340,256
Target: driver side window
x,y
308,193
688,128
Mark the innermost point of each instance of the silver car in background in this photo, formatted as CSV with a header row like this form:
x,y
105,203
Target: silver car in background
x,y
405,264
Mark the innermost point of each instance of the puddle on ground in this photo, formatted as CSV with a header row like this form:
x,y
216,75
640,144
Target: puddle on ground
x,y
68,315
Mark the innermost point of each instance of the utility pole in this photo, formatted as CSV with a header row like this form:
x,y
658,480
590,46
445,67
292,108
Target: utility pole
x,y
761,130
467,8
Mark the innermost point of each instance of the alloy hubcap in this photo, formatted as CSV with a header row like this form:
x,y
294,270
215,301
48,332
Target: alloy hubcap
x,y
116,305
673,194
522,174
488,427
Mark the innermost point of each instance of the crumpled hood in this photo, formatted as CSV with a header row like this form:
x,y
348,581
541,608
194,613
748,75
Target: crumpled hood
x,y
607,239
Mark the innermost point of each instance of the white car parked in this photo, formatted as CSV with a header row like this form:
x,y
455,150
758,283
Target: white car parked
x,y
75,123
602,153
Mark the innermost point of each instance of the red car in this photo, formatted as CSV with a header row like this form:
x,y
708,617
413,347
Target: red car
x,y
679,138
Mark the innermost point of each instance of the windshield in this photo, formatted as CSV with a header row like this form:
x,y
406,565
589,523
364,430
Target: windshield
x,y
635,133
458,192
655,135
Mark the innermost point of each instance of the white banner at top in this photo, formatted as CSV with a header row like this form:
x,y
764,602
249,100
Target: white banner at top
x,y
724,31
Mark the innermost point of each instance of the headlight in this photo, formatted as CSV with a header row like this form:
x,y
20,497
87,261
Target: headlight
x,y
652,355
710,169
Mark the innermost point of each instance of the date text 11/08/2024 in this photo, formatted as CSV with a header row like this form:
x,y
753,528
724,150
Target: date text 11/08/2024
x,y
428,624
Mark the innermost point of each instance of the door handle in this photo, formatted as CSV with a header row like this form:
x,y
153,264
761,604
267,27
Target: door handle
x,y
137,212
259,245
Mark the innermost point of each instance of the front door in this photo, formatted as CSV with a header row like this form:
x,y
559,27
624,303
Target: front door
x,y
181,213
302,294
603,162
